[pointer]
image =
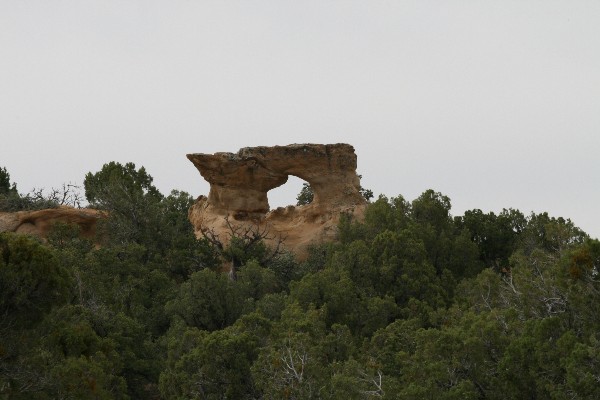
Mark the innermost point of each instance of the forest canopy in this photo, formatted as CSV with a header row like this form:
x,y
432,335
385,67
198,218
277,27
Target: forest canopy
x,y
410,303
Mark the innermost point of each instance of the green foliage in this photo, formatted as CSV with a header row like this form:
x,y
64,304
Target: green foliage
x,y
86,378
242,249
95,352
305,196
207,300
366,193
409,303
31,280
213,365
550,234
293,364
139,214
108,187
181,253
5,186
285,268
254,281
495,236
129,197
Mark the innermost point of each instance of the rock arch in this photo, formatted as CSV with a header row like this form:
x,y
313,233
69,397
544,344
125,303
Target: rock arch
x,y
239,183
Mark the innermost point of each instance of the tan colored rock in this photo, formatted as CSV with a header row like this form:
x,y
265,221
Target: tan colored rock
x,y
40,222
239,183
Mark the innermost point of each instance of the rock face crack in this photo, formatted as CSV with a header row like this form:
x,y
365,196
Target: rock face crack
x,y
239,183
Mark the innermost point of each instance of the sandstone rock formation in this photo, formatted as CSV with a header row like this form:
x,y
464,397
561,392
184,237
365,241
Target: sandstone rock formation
x,y
239,184
39,222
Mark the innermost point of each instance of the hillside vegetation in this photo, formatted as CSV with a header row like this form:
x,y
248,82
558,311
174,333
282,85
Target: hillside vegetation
x,y
411,303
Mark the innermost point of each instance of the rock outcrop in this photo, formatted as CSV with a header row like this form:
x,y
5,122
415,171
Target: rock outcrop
x,y
239,183
40,222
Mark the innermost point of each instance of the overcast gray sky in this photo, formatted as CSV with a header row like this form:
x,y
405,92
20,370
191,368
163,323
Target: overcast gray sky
x,y
494,103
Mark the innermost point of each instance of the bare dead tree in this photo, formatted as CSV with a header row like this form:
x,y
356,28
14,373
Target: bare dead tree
x,y
242,240
68,195
294,363
375,383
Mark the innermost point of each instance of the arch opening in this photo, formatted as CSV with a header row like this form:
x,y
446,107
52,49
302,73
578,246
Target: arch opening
x,y
286,194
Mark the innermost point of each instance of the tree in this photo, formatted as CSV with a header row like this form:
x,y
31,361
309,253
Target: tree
x,y
5,186
293,365
533,364
138,213
9,197
31,280
550,234
208,301
496,236
107,188
214,365
431,213
68,195
37,199
95,353
306,194
48,348
245,242
182,253
129,197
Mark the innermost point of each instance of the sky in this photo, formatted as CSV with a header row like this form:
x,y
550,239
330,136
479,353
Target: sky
x,y
495,104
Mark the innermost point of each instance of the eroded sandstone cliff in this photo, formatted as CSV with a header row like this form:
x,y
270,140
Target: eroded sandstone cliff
x,y
239,183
